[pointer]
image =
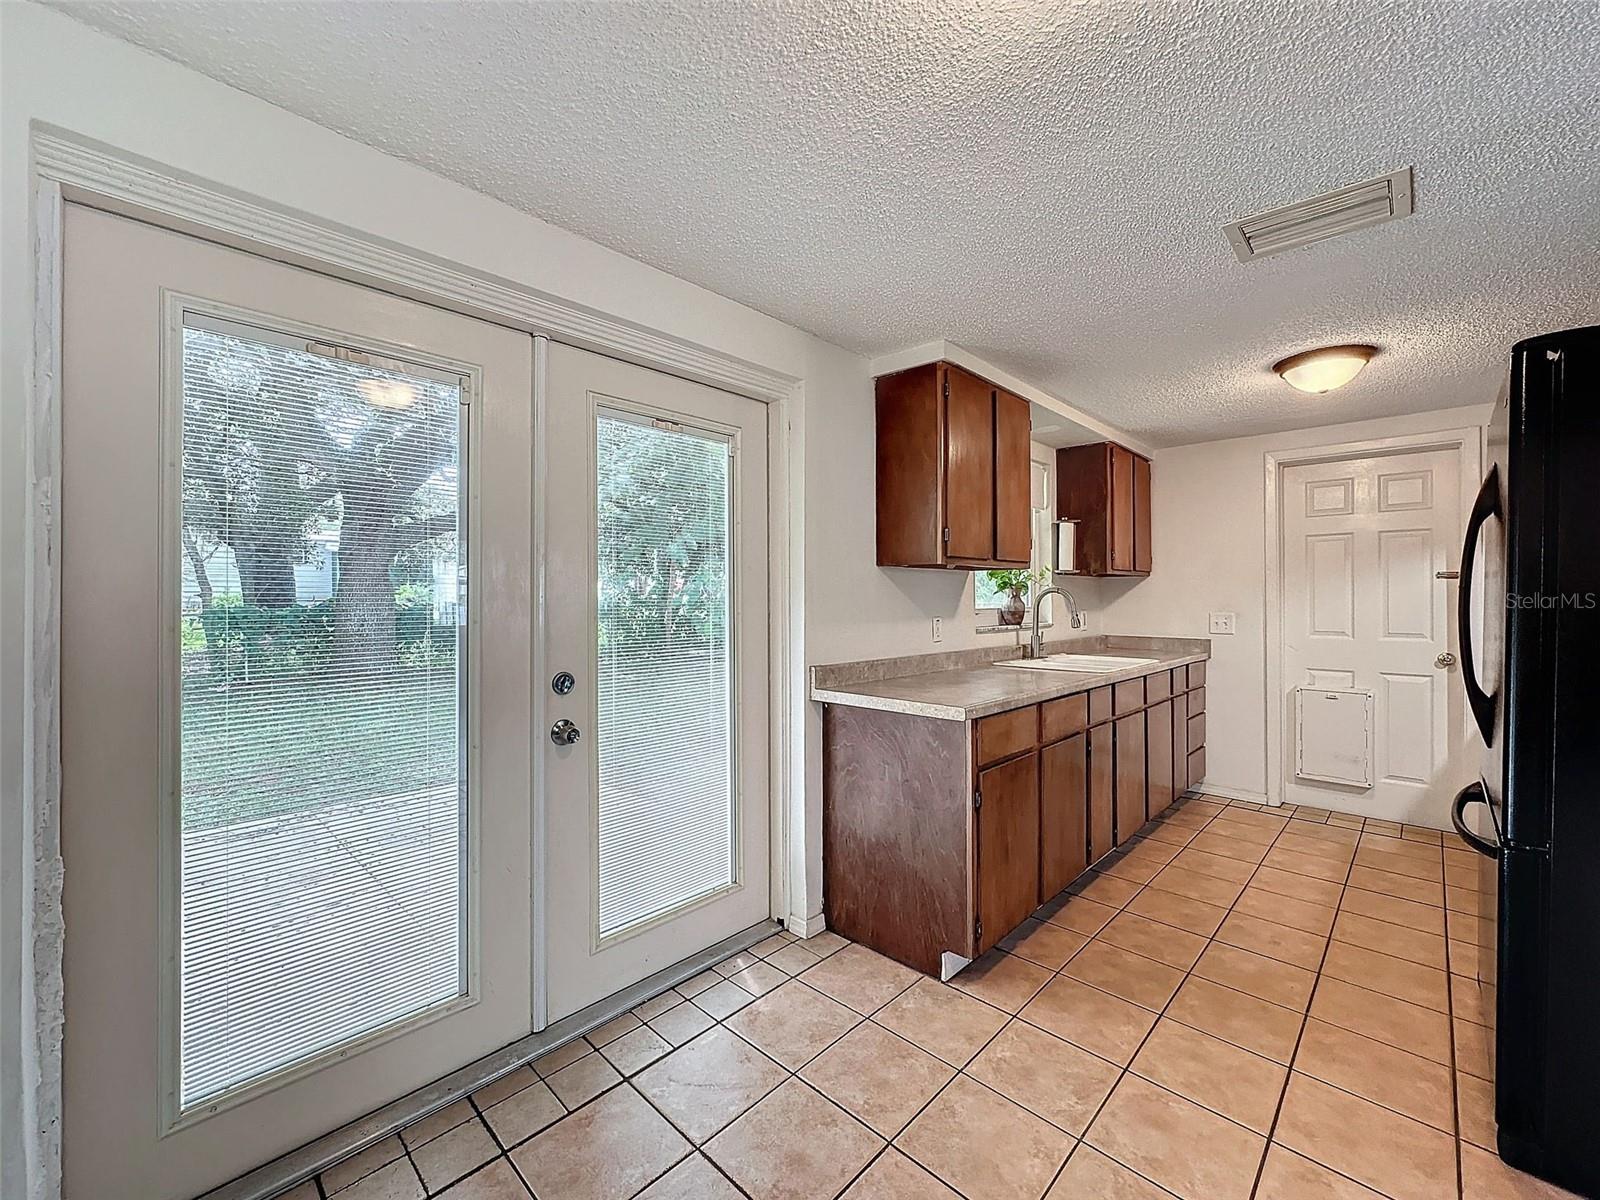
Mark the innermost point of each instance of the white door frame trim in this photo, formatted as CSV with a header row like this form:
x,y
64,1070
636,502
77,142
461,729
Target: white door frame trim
x,y
1466,441
67,168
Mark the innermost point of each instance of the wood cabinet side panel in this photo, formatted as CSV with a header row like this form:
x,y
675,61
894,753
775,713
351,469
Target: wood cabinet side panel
x,y
910,463
897,815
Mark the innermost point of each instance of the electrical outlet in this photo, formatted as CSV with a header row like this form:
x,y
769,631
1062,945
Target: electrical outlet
x,y
1222,622
938,629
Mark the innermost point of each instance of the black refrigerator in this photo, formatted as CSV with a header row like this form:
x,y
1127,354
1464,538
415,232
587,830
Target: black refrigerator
x,y
1530,640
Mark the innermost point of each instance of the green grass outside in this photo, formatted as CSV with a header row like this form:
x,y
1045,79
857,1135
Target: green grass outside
x,y
253,750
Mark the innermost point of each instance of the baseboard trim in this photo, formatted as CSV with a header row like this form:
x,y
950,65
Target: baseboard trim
x,y
297,1166
806,927
1227,793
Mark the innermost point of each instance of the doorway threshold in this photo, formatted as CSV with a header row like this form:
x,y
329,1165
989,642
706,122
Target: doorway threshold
x,y
272,1178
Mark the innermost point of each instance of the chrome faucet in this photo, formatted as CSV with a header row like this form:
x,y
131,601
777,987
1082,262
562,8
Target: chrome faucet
x,y
1036,645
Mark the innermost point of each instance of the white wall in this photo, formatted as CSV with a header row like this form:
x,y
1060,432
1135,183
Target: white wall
x,y
58,73
1209,538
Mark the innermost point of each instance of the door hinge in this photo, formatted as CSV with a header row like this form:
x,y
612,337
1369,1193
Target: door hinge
x,y
947,387
977,799
947,535
977,932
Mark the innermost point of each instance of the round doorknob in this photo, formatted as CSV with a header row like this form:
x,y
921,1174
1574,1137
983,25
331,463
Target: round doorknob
x,y
1445,659
564,732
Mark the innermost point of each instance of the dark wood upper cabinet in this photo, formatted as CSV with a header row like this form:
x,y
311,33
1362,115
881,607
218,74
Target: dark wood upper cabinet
x,y
953,471
1013,469
1105,488
970,466
1141,514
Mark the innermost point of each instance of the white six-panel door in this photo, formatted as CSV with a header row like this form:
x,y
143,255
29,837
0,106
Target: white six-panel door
x,y
1364,540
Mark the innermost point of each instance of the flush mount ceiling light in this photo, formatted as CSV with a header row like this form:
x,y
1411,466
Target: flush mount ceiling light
x,y
1319,371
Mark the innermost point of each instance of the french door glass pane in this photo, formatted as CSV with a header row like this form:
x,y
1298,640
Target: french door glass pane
x,y
666,802
322,599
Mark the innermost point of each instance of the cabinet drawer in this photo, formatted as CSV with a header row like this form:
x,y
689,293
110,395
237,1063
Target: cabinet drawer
x,y
1197,675
1129,696
1197,702
1099,705
1197,732
1007,733
1157,687
1197,766
1063,717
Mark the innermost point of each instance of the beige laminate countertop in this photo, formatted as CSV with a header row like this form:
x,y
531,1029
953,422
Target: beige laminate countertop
x,y
966,693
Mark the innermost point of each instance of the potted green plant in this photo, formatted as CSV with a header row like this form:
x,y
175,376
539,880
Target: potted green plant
x,y
1014,583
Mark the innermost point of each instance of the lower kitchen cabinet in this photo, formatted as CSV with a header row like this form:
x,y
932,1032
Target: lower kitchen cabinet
x,y
940,837
1063,813
1102,793
1132,774
1007,869
1159,792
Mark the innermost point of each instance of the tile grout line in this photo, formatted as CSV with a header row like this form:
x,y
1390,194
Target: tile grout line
x,y
1139,887
1455,1069
1305,1020
1127,1068
961,1072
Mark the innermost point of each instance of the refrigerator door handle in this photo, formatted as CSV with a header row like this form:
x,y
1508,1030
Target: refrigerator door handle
x,y
1482,704
1473,793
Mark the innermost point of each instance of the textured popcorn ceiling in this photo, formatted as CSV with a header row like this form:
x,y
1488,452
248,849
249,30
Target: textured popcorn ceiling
x,y
1043,183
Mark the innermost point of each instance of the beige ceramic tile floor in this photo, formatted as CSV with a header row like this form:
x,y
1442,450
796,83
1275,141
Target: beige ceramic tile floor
x,y
1276,1004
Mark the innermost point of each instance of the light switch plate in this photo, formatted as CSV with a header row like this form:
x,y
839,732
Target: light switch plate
x,y
938,629
1222,622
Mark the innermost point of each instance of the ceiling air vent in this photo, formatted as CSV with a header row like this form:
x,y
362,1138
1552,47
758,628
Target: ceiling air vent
x,y
1343,210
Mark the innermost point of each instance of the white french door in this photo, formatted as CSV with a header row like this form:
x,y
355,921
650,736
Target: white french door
x,y
296,647
657,804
